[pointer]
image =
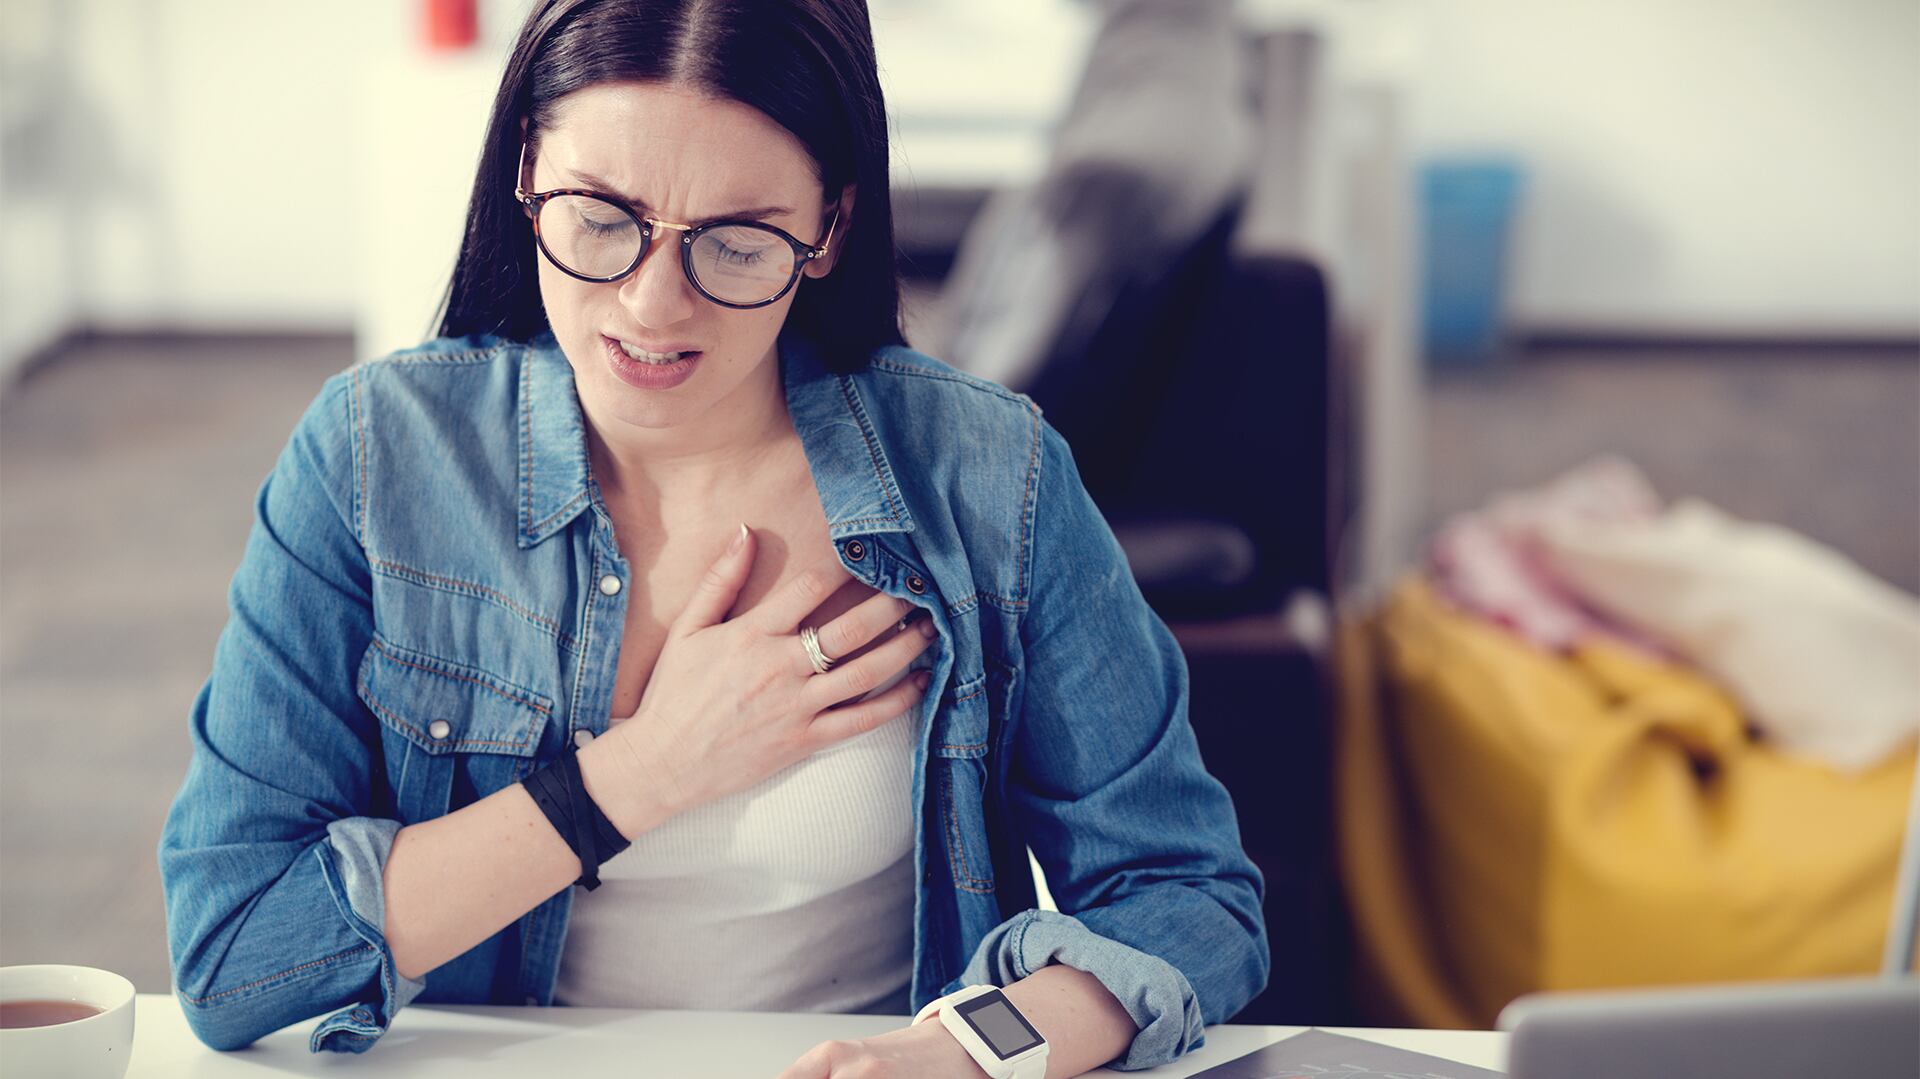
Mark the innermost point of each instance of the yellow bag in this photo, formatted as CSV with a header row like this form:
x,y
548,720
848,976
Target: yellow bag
x,y
1513,820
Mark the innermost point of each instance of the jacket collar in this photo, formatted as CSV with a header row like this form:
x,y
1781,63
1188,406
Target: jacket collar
x,y
854,479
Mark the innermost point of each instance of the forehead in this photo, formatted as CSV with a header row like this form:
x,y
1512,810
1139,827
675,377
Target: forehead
x,y
659,141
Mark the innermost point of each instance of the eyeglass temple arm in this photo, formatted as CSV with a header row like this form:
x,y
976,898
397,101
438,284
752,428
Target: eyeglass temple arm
x,y
822,249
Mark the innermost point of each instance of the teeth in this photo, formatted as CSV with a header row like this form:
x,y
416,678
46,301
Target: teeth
x,y
655,358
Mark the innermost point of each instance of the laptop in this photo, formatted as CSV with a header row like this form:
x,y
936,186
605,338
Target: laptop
x,y
1845,1028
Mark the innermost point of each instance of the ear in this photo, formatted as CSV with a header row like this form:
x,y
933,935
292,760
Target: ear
x,y
836,242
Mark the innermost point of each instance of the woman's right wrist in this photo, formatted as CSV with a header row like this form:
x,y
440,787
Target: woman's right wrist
x,y
621,776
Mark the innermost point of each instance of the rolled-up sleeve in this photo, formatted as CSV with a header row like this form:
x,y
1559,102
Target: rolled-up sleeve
x,y
1139,843
1164,1007
270,859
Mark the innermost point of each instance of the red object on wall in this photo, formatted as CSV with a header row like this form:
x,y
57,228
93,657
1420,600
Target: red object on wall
x,y
450,24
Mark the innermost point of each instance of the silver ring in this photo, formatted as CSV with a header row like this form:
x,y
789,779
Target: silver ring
x,y
810,640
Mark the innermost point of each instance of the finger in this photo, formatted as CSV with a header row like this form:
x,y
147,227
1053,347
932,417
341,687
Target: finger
x,y
782,611
851,720
861,673
855,629
720,585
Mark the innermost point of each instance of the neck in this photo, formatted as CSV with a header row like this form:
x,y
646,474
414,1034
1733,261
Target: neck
x,y
727,448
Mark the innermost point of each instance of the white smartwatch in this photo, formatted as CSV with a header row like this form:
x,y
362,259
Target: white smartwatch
x,y
993,1031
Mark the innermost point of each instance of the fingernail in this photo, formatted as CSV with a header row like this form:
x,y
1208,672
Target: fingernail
x,y
738,540
926,627
923,678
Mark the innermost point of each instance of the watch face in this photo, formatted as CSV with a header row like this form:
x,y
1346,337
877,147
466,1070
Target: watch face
x,y
999,1024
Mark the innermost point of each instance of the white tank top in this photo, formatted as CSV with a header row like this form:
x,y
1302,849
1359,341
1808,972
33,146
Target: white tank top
x,y
795,895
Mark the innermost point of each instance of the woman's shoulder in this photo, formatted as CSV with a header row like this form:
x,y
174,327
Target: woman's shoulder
x,y
445,380
966,453
447,393
918,399
940,418
914,371
439,357
413,377
441,433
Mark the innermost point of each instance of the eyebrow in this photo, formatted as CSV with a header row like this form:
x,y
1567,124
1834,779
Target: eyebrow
x,y
605,188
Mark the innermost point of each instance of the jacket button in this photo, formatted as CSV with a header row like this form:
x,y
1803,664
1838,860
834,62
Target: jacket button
x,y
581,737
439,729
610,585
916,585
856,550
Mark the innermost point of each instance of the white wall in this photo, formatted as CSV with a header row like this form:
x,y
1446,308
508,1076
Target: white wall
x,y
214,143
1741,166
217,157
1710,166
198,174
39,294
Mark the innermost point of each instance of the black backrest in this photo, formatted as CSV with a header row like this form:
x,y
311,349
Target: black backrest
x,y
1203,395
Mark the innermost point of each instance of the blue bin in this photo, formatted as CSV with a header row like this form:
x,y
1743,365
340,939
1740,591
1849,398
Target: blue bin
x,y
1466,208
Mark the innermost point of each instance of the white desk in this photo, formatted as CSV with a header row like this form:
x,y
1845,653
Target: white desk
x,y
429,1041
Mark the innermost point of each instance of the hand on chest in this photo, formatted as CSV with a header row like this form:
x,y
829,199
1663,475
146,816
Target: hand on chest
x,y
665,578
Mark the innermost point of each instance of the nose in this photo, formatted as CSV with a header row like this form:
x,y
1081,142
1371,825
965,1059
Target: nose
x,y
657,292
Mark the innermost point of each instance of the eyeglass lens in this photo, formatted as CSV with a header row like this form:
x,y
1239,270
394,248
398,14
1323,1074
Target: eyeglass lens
x,y
734,263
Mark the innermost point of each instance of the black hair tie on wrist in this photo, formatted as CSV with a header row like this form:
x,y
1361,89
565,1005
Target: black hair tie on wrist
x,y
562,797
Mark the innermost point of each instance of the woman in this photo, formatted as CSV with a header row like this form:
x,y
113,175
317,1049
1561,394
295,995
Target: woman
x,y
493,635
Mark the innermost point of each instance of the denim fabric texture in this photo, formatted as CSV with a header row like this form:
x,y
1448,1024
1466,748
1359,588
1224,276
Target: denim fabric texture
x,y
417,623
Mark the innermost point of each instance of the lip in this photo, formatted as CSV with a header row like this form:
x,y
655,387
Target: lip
x,y
642,376
658,350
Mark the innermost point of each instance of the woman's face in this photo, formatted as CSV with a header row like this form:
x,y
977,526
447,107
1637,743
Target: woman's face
x,y
681,156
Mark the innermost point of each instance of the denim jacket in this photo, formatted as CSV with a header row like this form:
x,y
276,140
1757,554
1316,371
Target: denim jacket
x,y
419,620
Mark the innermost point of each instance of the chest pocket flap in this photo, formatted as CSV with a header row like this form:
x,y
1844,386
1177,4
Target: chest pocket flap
x,y
446,707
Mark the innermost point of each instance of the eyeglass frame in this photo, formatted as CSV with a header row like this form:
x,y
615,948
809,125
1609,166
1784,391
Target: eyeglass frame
x,y
531,202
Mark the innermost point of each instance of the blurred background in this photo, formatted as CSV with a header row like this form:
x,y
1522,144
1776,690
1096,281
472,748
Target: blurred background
x,y
1513,408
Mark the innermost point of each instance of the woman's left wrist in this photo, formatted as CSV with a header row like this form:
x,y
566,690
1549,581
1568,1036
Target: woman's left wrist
x,y
942,1042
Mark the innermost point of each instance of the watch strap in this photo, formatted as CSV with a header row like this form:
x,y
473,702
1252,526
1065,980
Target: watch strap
x,y
1034,1067
1031,1068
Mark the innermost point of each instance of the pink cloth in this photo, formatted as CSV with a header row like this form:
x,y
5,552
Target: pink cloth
x,y
1488,561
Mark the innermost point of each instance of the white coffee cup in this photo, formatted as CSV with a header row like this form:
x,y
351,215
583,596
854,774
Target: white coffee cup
x,y
97,1047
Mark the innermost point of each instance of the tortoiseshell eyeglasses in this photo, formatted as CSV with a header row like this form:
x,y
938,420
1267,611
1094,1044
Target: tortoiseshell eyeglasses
x,y
595,237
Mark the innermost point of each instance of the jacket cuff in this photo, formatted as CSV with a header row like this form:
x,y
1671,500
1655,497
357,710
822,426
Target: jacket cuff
x,y
354,858
1154,992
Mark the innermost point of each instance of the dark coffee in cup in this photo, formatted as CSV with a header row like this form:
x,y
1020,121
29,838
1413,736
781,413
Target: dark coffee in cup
x,y
42,1013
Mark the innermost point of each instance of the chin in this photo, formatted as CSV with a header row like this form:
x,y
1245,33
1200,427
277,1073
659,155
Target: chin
x,y
637,408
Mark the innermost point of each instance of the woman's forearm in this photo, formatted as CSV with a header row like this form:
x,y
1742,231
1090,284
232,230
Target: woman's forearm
x,y
456,880
1087,1026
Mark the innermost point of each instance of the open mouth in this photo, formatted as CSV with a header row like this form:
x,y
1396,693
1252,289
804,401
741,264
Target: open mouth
x,y
647,369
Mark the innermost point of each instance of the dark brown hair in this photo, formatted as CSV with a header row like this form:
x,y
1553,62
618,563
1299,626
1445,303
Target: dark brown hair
x,y
807,64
